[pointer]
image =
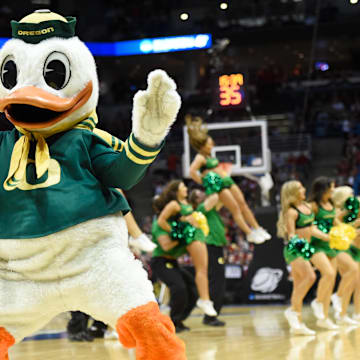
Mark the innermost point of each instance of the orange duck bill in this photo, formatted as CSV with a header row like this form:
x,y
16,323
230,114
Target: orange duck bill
x,y
33,108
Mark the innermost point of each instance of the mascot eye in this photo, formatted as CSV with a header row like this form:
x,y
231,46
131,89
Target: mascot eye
x,y
57,70
9,72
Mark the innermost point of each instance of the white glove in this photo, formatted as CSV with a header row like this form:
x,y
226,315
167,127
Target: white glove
x,y
142,243
155,108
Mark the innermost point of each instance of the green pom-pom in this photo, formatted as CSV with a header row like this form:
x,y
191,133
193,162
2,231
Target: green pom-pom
x,y
177,228
182,231
324,225
212,183
189,233
300,247
352,204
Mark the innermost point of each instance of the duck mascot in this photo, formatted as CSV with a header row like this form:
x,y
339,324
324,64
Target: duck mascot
x,y
63,238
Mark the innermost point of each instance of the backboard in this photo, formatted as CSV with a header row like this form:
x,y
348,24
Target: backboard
x,y
244,144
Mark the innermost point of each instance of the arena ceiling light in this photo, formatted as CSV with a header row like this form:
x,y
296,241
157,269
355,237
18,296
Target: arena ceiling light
x,y
354,2
184,16
224,5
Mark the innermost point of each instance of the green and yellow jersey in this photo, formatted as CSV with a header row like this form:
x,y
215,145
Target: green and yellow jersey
x,y
83,168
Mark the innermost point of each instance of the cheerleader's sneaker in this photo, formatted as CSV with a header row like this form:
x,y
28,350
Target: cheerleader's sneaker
x,y
336,302
207,307
264,233
293,318
318,309
303,330
296,327
326,324
111,335
255,237
346,320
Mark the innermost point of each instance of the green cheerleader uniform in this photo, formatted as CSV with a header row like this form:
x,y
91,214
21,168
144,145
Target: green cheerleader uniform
x,y
188,233
354,252
297,247
175,252
324,220
181,231
216,235
213,182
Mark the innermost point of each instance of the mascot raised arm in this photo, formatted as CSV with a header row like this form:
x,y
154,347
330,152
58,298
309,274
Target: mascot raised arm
x,y
63,238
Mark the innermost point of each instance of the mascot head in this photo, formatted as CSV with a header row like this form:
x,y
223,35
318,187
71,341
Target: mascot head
x,y
48,80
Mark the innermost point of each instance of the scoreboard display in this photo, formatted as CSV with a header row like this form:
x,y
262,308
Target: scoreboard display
x,y
231,92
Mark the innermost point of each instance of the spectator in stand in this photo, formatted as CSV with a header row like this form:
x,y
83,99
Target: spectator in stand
x,y
346,127
337,104
303,164
356,186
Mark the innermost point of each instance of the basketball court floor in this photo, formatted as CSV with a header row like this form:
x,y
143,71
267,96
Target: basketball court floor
x,y
258,332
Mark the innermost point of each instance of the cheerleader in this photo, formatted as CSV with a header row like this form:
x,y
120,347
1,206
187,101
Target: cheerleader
x,y
294,225
347,208
354,251
185,228
164,265
215,242
206,171
327,259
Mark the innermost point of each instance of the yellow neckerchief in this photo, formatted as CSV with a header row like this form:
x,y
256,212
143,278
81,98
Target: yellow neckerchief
x,y
20,153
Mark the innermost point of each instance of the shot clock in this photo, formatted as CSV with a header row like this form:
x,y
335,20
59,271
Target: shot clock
x,y
231,93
